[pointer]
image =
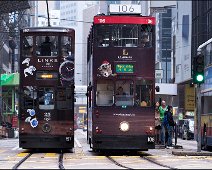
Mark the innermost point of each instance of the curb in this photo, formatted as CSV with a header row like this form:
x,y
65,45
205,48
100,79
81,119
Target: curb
x,y
163,147
191,153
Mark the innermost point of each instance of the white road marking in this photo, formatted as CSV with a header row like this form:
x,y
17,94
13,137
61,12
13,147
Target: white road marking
x,y
78,143
82,132
15,148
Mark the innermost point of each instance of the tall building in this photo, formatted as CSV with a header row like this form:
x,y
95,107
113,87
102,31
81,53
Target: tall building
x,y
181,45
71,13
13,17
202,34
162,10
163,44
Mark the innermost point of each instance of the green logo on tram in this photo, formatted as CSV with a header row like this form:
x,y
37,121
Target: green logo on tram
x,y
124,68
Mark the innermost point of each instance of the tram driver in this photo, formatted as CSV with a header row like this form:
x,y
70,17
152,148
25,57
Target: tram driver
x,y
46,47
120,91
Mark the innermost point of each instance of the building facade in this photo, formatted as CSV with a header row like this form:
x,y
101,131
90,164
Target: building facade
x,y
202,33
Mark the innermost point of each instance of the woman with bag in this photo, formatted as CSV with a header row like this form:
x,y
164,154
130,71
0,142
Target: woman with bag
x,y
157,124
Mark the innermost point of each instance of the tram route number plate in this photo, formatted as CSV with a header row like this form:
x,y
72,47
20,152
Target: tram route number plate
x,y
68,139
150,139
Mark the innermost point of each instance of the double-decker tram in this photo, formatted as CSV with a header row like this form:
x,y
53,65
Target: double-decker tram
x,y
121,82
46,91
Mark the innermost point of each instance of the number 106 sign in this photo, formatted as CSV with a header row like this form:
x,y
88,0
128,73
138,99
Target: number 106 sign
x,y
125,9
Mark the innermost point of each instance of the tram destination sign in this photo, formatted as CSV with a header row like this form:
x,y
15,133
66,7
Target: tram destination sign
x,y
124,68
124,9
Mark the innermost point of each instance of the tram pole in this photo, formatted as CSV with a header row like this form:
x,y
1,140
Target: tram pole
x,y
198,113
47,6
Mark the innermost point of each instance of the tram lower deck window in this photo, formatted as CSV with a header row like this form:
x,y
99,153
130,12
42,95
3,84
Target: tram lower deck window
x,y
46,98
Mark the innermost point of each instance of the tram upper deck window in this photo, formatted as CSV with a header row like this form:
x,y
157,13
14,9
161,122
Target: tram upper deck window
x,y
143,96
124,93
66,48
146,36
46,98
47,45
104,93
102,35
125,35
27,48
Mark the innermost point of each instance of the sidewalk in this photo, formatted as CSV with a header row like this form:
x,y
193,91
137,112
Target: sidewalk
x,y
189,148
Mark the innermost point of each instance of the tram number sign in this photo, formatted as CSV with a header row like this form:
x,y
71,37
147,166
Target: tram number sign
x,y
68,139
125,9
150,139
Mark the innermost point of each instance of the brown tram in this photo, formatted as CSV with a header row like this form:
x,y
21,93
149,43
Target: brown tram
x,y
121,83
46,90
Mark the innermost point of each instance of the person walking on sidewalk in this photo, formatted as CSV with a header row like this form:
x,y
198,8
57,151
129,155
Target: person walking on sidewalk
x,y
162,110
168,124
157,123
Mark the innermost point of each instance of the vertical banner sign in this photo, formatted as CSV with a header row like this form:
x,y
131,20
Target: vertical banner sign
x,y
14,121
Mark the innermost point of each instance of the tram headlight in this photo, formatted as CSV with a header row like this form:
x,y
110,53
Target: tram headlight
x,y
124,126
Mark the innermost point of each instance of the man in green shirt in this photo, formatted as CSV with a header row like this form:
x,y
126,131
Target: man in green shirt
x,y
162,110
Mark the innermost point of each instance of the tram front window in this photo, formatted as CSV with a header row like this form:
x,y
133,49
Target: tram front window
x,y
46,98
46,45
104,93
103,35
27,46
125,35
66,48
124,93
144,95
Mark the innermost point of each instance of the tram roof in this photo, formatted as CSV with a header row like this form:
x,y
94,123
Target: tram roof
x,y
117,19
47,29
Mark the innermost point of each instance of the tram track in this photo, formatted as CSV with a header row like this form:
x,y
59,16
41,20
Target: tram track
x,y
117,163
21,161
156,162
60,161
24,159
147,158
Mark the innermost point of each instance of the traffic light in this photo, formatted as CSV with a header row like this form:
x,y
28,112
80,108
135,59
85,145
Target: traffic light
x,y
198,69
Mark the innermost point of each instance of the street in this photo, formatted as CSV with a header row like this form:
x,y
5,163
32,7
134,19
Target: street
x,y
82,157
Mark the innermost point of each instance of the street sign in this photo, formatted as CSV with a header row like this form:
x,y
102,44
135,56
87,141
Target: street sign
x,y
158,10
159,74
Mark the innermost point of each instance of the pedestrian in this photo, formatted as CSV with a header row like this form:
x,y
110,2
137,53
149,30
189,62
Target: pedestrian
x,y
168,124
157,123
162,110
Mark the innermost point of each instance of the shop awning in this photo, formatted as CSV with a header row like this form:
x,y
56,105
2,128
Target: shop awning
x,y
10,79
